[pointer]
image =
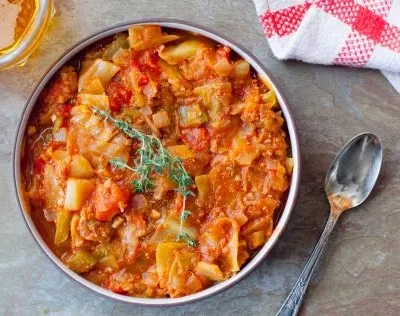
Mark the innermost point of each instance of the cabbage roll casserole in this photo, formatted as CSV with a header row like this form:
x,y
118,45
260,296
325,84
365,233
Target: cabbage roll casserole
x,y
156,163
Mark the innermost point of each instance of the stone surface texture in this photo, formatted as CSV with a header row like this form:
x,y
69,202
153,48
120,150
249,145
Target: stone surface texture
x,y
360,272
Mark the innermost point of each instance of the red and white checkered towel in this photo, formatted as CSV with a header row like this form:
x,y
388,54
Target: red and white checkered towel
x,y
357,33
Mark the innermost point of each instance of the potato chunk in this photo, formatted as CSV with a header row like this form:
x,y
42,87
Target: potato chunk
x,y
78,191
223,67
241,69
181,151
269,99
93,86
97,100
161,119
257,239
203,186
175,54
80,168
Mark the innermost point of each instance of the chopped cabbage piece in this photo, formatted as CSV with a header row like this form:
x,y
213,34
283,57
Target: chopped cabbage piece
x,y
145,36
99,101
191,116
174,54
81,261
62,226
210,271
102,69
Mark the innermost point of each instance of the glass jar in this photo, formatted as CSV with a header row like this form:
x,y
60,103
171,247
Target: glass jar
x,y
26,37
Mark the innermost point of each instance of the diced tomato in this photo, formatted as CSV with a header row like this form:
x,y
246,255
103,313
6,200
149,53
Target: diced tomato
x,y
143,80
135,60
109,199
196,138
112,286
146,67
154,58
38,164
223,52
150,60
119,96
146,61
65,110
121,281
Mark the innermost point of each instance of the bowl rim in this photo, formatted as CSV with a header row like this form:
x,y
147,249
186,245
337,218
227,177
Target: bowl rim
x,y
291,128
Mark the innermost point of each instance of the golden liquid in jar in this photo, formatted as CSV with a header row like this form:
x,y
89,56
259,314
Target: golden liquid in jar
x,y
20,22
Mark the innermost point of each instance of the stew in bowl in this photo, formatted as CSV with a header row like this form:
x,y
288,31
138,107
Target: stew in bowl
x,y
156,166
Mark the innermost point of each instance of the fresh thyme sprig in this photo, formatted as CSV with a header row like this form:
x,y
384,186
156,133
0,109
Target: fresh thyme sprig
x,y
185,214
141,185
120,164
153,156
185,236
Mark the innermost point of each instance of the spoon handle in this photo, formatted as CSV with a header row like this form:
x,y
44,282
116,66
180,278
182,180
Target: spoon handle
x,y
292,303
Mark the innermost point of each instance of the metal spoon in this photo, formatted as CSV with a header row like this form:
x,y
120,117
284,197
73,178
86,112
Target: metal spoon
x,y
348,183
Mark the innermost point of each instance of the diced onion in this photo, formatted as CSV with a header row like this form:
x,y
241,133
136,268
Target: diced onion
x,y
223,67
161,119
60,135
146,111
241,69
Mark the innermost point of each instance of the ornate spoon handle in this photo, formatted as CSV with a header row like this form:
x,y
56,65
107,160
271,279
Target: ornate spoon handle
x,y
292,303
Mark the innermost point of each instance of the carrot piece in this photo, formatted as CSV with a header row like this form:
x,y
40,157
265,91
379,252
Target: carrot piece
x,y
109,199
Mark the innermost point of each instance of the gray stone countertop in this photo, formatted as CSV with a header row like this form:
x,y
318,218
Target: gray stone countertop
x,y
360,273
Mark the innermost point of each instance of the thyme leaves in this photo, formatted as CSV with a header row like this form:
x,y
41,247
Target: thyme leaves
x,y
151,157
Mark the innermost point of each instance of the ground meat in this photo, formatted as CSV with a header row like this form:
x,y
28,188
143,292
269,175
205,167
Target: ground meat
x,y
63,88
196,138
91,229
121,282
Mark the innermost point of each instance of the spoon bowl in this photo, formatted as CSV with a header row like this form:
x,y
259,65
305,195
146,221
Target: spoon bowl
x,y
354,172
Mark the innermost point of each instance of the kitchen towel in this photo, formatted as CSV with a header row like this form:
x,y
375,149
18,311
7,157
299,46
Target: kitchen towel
x,y
356,33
